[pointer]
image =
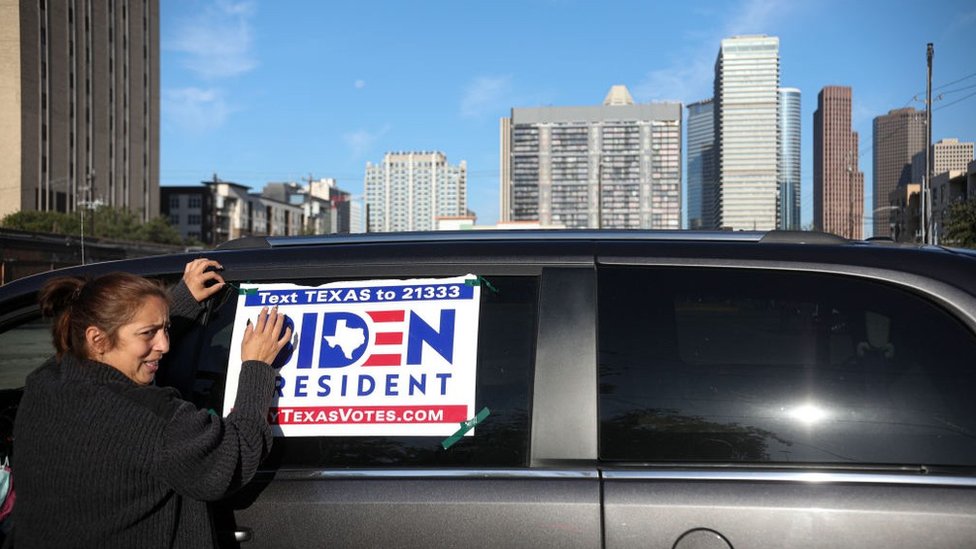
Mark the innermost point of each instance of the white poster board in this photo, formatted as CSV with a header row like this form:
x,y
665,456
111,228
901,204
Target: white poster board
x,y
378,357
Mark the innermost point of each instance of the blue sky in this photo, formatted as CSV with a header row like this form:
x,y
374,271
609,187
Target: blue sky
x,y
260,91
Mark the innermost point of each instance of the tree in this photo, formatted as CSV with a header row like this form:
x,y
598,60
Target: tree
x,y
42,222
102,222
959,228
159,230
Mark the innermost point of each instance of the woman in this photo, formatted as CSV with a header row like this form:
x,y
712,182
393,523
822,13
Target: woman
x,y
105,458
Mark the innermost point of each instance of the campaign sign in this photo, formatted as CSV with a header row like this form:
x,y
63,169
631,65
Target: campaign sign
x,y
379,357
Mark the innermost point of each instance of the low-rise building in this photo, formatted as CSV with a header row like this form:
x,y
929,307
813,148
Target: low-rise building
x,y
902,213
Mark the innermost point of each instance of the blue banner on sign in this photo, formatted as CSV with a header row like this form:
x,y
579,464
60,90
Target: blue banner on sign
x,y
375,294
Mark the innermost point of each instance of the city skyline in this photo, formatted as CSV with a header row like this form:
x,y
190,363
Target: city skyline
x,y
255,109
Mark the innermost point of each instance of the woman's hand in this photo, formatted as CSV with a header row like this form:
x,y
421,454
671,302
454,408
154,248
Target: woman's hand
x,y
261,338
202,278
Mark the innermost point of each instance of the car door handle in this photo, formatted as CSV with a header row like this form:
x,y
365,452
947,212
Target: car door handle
x,y
243,534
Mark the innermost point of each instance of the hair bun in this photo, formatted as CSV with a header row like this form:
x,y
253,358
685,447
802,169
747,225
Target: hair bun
x,y
59,294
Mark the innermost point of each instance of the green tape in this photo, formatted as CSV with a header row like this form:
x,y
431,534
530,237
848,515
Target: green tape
x,y
478,281
465,427
243,291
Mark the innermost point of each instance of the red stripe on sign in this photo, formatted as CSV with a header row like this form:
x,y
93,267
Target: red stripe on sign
x,y
389,338
382,360
386,316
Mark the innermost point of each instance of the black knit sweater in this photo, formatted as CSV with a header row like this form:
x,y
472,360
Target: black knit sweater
x,y
101,461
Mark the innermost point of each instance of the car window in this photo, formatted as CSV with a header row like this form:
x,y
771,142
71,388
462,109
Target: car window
x,y
26,347
506,344
776,366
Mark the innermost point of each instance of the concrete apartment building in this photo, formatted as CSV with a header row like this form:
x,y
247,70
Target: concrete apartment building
x,y
949,188
216,211
838,184
747,132
788,159
79,105
326,208
897,137
616,165
408,191
700,159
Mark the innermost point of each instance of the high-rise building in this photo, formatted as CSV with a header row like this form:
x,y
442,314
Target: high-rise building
x,y
747,132
897,137
700,151
410,190
788,167
838,184
616,165
79,105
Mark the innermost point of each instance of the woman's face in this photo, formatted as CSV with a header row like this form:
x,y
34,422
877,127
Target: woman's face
x,y
141,343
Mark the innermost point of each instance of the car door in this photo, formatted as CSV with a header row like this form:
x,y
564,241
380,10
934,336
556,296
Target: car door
x,y
520,481
751,405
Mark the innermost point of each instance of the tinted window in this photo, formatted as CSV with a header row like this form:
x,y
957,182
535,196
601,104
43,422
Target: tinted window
x,y
506,343
762,366
25,347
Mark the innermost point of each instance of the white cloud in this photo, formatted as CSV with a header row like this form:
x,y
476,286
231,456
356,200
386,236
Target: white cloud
x,y
691,73
217,41
361,141
195,110
486,95
359,84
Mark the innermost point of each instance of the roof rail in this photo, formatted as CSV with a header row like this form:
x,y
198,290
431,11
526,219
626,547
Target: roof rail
x,y
245,243
252,242
771,237
801,237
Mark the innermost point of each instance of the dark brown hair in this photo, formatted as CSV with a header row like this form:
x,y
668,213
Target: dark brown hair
x,y
106,302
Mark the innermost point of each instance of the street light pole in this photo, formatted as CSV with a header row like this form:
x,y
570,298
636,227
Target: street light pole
x,y
927,184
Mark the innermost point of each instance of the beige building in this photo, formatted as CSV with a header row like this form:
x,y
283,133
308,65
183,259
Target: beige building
x,y
239,212
79,105
951,155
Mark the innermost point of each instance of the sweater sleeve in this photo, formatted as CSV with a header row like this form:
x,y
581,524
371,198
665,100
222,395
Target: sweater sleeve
x,y
206,457
184,309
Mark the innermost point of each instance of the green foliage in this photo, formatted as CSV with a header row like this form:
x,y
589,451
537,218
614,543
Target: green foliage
x,y
102,222
42,222
959,228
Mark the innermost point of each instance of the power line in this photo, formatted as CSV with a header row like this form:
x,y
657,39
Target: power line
x,y
957,90
963,98
955,81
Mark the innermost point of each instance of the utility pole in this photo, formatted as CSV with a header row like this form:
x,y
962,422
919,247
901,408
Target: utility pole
x,y
599,193
850,190
927,184
85,203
